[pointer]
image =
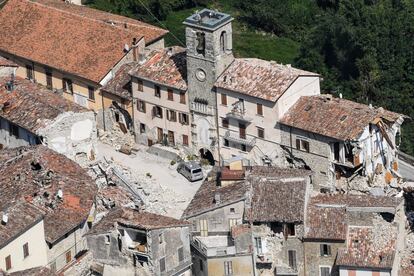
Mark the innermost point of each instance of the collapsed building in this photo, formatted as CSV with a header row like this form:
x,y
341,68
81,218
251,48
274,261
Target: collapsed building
x,y
46,205
31,115
130,241
269,221
339,139
353,234
266,203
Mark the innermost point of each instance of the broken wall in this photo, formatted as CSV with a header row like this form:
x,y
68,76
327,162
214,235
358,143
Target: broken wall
x,y
218,220
73,135
172,240
8,140
314,260
317,159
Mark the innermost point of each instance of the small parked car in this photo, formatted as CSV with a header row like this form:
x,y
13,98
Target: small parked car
x,y
190,170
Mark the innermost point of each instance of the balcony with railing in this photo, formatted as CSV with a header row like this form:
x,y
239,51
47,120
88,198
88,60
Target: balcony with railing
x,y
202,108
239,113
240,138
214,246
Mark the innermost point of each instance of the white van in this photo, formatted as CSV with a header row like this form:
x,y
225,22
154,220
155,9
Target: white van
x,y
190,170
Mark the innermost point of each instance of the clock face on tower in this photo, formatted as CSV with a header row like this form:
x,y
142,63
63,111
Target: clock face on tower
x,y
200,74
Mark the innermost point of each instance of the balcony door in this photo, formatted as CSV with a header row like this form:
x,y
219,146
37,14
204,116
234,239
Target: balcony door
x,y
242,131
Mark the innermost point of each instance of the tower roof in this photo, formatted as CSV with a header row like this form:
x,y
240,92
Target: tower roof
x,y
208,19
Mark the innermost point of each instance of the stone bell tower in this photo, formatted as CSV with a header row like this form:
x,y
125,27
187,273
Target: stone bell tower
x,y
209,53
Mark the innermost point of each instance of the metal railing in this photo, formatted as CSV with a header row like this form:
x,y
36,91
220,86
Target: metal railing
x,y
239,138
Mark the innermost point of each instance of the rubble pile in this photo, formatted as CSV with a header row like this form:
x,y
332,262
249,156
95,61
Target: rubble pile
x,y
118,186
117,138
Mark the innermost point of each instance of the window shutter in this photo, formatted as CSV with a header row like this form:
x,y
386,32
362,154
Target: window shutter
x,y
329,250
168,114
321,249
298,144
154,111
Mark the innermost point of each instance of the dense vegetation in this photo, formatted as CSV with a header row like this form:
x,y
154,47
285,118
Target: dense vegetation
x,y
364,49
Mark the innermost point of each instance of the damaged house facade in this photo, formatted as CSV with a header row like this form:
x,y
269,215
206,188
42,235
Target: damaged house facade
x,y
204,98
7,67
55,197
128,241
74,50
159,86
349,235
249,221
339,139
31,114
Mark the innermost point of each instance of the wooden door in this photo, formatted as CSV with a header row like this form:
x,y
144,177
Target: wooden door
x,y
171,138
160,135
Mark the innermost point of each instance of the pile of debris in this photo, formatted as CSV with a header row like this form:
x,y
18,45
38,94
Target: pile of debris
x,y
121,139
118,186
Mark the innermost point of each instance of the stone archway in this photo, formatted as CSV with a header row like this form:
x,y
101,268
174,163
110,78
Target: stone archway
x,y
206,154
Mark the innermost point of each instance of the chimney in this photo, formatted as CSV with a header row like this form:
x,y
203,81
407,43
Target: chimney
x,y
5,218
217,199
60,194
135,49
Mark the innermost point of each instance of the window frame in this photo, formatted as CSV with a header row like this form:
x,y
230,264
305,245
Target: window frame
x,y
182,98
170,94
302,144
8,262
140,85
223,99
142,128
260,132
324,267
49,79
181,118
258,245
157,91
29,72
141,106
67,85
180,253
228,268
26,252
185,139
91,93
163,265
259,109
327,252
225,123
292,259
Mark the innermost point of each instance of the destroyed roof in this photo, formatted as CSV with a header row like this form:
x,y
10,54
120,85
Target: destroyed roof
x,y
349,200
120,84
36,174
21,217
364,251
31,106
36,271
277,201
7,63
134,218
167,66
68,37
334,117
327,214
204,199
278,172
258,78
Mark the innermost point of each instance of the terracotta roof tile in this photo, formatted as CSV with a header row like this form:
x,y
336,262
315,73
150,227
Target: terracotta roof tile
x,y
334,117
204,199
118,85
277,201
327,223
363,250
31,106
259,78
327,214
167,66
35,174
7,63
349,200
36,271
75,39
135,219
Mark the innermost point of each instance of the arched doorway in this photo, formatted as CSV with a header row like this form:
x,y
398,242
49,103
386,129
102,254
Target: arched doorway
x,y
206,154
